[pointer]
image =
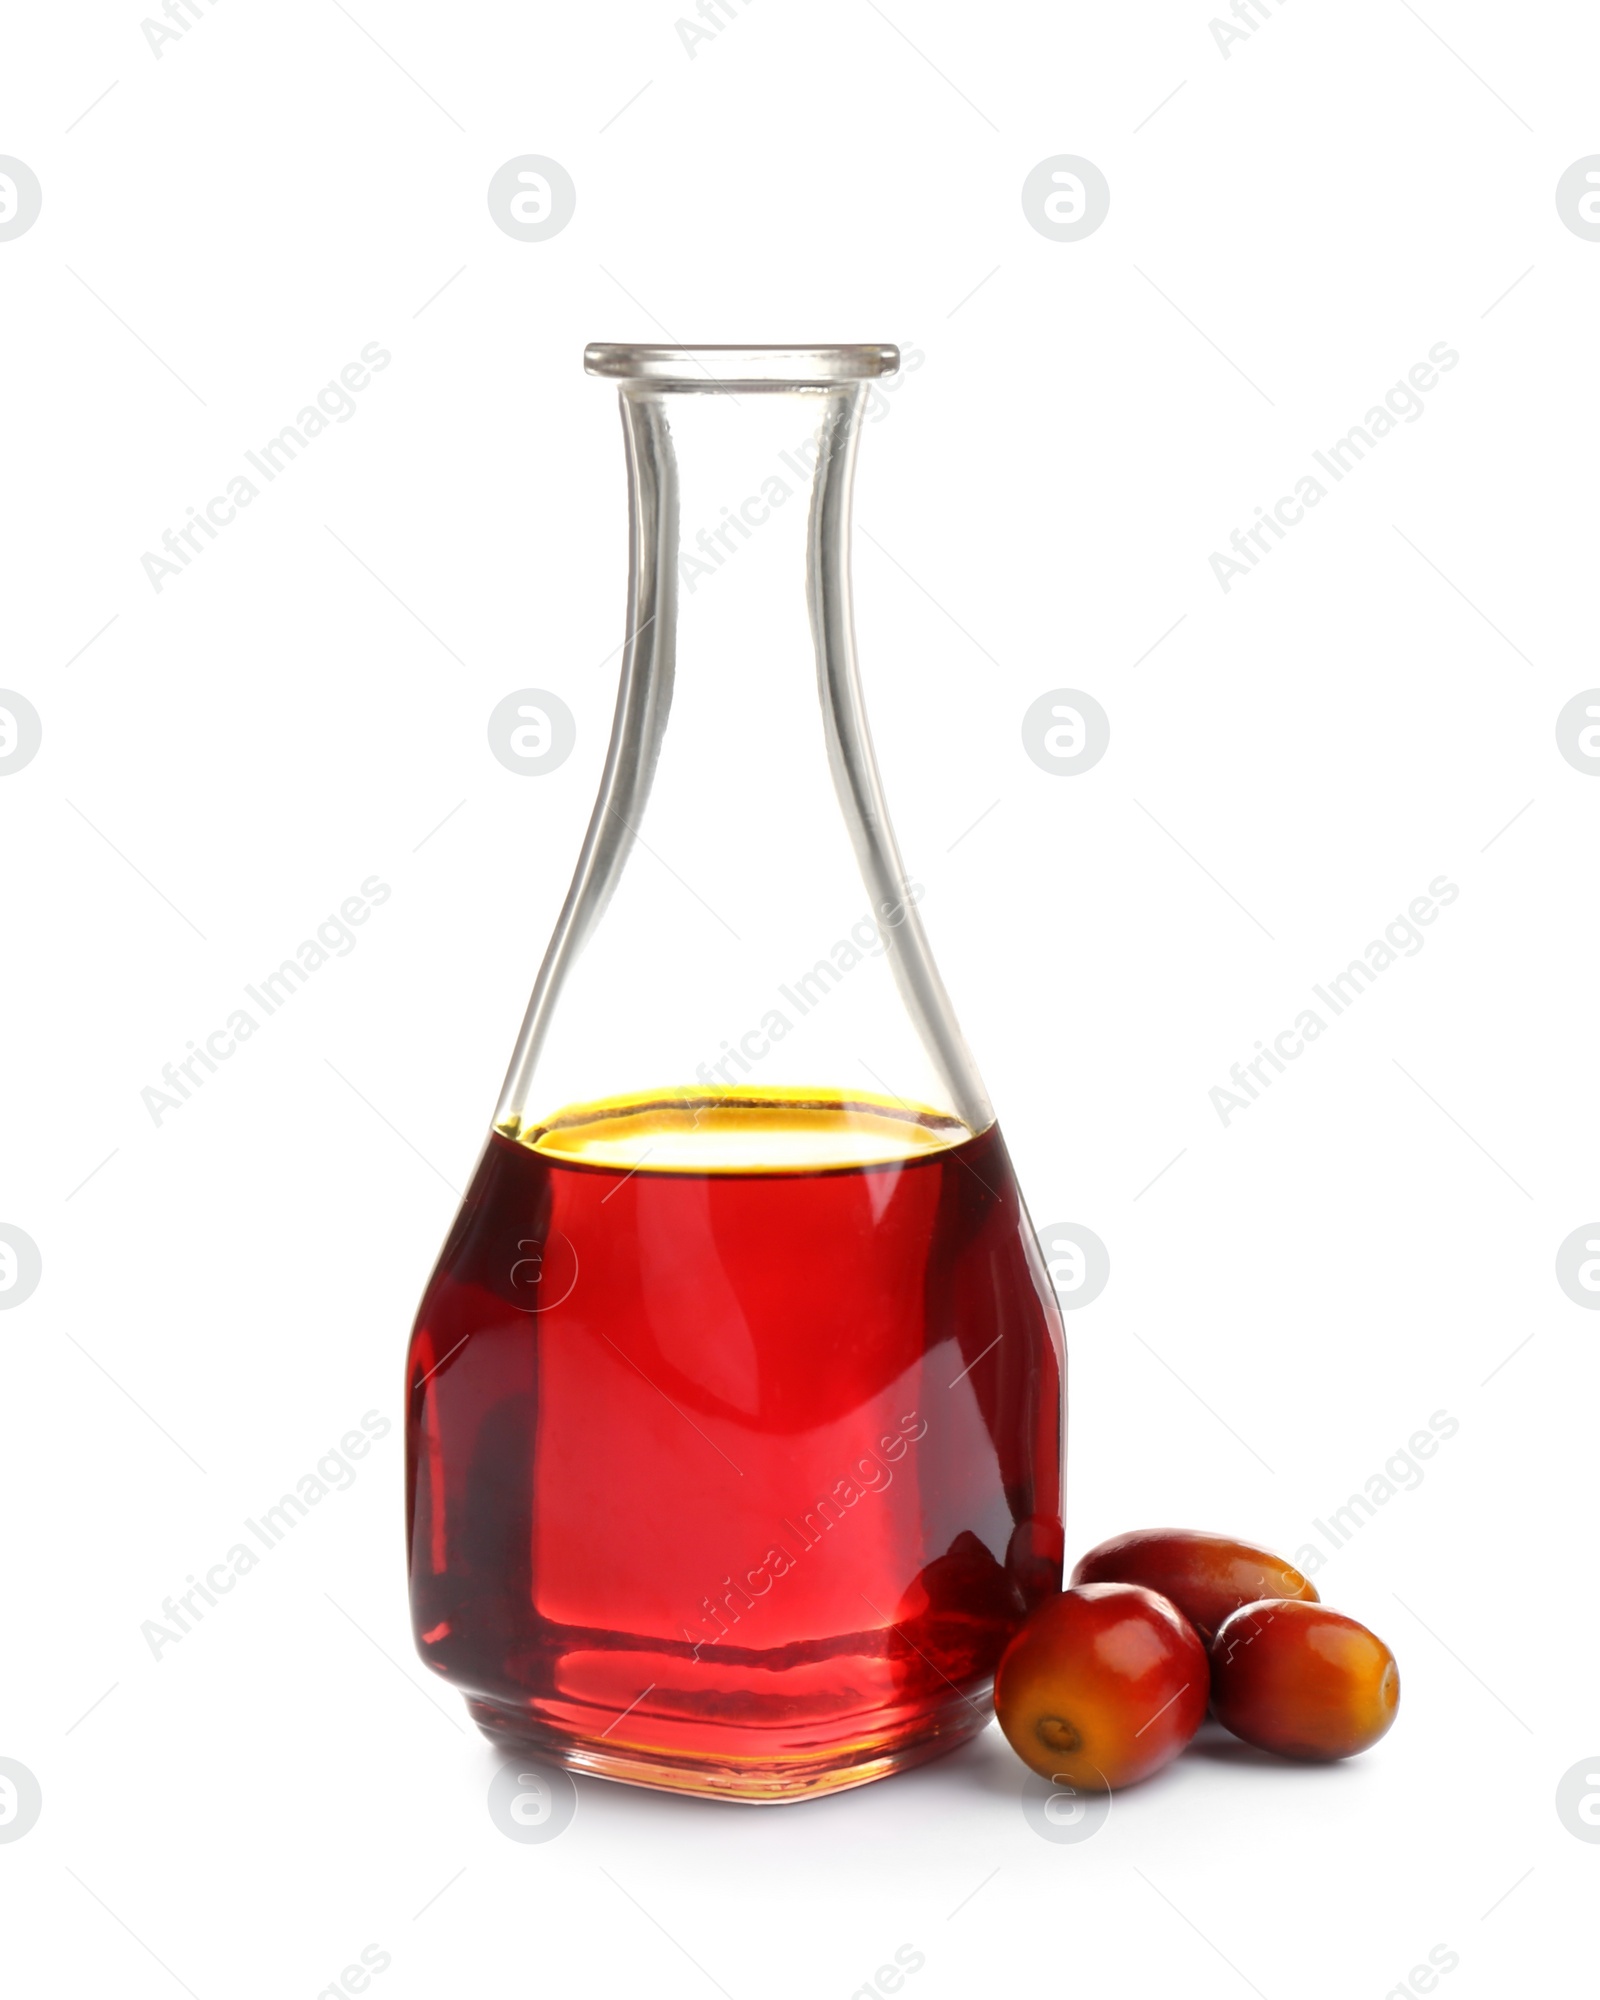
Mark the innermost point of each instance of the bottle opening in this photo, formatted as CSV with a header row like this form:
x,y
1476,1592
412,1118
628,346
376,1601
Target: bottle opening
x,y
740,367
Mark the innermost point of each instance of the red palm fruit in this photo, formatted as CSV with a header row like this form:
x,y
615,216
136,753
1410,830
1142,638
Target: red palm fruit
x,y
1206,1576
1101,1686
1302,1680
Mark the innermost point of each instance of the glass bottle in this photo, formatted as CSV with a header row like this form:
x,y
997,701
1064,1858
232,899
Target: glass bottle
x,y
735,1398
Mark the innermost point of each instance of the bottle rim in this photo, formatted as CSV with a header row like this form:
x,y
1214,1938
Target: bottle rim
x,y
715,367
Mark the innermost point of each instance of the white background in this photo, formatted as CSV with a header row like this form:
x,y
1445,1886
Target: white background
x,y
1296,759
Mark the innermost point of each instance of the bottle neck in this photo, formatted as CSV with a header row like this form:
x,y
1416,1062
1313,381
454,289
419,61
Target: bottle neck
x,y
739,629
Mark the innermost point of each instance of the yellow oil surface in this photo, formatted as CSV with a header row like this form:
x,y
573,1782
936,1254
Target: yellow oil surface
x,y
749,1130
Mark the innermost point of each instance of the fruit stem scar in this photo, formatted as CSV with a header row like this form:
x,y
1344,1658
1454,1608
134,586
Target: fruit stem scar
x,y
1055,1733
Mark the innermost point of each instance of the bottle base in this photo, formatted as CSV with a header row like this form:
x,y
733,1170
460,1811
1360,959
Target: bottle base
x,y
744,1781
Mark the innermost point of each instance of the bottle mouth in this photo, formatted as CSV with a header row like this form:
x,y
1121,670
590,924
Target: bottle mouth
x,y
741,367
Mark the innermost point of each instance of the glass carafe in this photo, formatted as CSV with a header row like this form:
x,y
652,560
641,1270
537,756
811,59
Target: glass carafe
x,y
735,1398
